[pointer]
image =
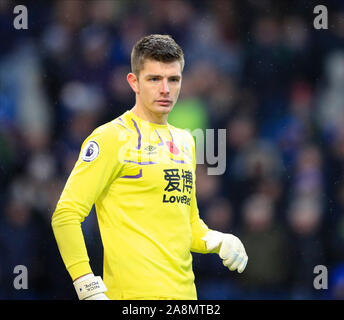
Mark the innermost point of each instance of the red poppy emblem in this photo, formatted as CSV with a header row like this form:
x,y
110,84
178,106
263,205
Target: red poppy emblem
x,y
172,147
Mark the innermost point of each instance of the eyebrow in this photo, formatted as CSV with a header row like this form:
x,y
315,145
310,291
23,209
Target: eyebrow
x,y
159,76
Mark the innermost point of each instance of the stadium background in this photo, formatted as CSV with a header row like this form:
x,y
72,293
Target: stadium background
x,y
257,68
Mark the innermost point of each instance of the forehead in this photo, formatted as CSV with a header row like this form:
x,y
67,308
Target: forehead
x,y
161,68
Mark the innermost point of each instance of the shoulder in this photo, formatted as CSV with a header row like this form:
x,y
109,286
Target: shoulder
x,y
114,129
103,141
105,138
103,132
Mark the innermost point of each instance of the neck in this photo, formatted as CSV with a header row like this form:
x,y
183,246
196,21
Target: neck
x,y
149,116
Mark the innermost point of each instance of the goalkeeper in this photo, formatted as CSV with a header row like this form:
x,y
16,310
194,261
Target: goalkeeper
x,y
139,171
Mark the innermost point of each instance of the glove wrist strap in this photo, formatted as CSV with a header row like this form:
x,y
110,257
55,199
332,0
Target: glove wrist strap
x,y
89,287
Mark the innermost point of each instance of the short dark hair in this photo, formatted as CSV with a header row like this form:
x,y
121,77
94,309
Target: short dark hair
x,y
155,47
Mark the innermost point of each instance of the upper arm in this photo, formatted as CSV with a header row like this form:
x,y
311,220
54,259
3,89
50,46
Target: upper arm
x,y
96,167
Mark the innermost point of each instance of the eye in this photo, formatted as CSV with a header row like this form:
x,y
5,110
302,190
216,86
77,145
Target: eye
x,y
154,79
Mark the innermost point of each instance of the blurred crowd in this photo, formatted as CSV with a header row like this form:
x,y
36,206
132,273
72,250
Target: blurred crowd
x,y
259,69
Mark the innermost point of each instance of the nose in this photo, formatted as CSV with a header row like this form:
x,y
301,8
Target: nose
x,y
164,87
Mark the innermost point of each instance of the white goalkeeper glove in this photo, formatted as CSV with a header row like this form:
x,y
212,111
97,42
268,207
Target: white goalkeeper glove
x,y
229,247
89,287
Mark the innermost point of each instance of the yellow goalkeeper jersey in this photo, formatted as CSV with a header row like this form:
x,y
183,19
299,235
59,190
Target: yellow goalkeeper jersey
x,y
141,178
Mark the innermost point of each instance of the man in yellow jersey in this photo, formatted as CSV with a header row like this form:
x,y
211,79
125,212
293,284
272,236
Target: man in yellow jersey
x,y
139,171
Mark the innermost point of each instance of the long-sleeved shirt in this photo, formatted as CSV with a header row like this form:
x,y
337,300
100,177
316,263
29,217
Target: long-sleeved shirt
x,y
141,178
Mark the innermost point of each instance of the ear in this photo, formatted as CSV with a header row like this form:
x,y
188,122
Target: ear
x,y
133,82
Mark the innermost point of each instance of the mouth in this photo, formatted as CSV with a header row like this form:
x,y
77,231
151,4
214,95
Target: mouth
x,y
164,102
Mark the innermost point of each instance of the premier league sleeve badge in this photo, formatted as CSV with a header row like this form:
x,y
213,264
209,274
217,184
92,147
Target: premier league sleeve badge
x,y
90,151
